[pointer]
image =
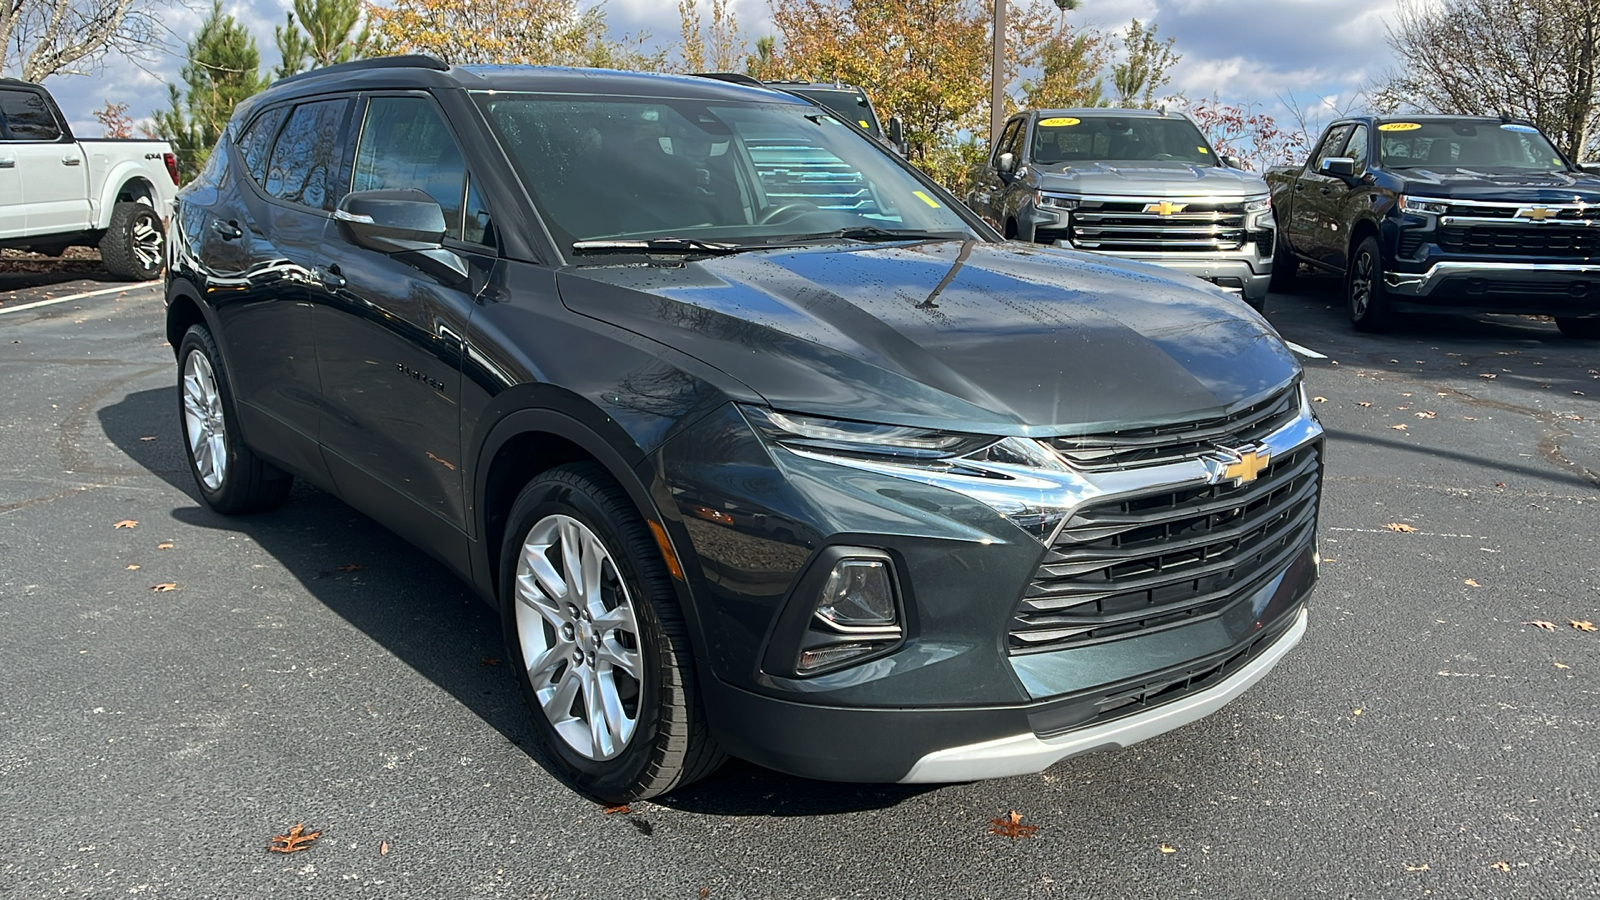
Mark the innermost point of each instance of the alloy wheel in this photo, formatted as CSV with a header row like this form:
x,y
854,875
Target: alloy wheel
x,y
147,241
579,636
1361,285
204,425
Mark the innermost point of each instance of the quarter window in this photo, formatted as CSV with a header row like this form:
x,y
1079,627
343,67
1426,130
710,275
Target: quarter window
x,y
28,117
257,141
406,144
305,158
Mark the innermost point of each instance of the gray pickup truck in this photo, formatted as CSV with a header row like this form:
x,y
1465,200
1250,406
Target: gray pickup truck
x,y
1139,184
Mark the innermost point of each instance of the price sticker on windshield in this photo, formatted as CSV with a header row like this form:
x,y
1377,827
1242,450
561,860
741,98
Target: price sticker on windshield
x,y
1058,122
1399,126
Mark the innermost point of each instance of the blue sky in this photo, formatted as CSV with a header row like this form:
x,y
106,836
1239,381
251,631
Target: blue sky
x,y
1319,52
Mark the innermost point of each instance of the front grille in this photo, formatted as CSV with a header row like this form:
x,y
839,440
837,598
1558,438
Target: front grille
x,y
1123,225
1164,444
1512,240
1156,561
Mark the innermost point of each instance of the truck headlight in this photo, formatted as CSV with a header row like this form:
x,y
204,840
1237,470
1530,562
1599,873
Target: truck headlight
x,y
1054,201
1425,205
1258,204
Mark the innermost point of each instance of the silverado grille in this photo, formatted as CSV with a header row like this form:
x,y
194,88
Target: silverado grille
x,y
1123,225
1521,240
1155,561
1164,444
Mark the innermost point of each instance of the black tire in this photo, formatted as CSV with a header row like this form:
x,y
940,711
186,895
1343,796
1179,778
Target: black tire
x,y
1285,266
134,247
1363,288
247,483
671,744
1579,329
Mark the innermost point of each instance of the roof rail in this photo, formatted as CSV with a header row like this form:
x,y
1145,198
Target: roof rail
x,y
732,78
413,61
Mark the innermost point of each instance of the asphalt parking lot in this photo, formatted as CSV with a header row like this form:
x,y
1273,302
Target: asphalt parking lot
x,y
308,666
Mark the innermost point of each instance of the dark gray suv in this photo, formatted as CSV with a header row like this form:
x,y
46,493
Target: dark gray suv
x,y
762,444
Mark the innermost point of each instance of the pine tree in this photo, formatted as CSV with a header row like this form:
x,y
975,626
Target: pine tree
x,y
322,33
224,68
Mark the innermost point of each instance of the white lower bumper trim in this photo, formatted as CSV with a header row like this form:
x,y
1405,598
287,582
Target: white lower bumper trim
x,y
1024,754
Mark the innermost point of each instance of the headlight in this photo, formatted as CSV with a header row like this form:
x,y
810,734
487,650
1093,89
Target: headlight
x,y
1054,201
864,438
1258,204
1423,205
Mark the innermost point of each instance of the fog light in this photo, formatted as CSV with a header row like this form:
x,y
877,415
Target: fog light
x,y
858,593
824,657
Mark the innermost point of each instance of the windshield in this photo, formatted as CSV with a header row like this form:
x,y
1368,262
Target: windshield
x,y
852,105
1068,139
632,168
1466,144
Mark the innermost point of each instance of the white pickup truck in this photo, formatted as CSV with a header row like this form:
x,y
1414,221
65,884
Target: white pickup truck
x,y
58,192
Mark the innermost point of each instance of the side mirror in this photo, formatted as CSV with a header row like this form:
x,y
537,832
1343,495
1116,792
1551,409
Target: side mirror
x,y
1005,162
897,135
1339,167
1233,162
407,224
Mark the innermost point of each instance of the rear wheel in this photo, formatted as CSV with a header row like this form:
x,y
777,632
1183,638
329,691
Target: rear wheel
x,y
1363,285
231,478
1579,329
602,650
135,245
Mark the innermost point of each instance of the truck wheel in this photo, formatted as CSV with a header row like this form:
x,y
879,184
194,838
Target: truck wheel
x,y
1285,266
601,648
1579,329
1363,287
135,245
231,478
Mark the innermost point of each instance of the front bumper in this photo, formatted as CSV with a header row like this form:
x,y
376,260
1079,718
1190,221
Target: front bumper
x,y
1532,287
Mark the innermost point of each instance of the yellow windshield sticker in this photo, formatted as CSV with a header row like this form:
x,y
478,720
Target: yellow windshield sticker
x,y
1203,151
1058,122
926,199
1399,126
863,123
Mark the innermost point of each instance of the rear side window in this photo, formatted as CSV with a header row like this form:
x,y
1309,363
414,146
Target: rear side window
x,y
28,117
406,144
1332,144
1357,148
306,155
257,142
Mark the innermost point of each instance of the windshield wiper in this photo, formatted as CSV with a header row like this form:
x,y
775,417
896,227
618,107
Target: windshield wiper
x,y
662,245
871,233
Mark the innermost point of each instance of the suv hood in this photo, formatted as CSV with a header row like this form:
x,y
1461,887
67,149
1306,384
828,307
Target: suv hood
x,y
1144,179
965,336
1470,184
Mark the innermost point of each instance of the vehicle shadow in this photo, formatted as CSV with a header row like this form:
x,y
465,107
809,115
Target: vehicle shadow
x,y
1321,297
419,611
33,274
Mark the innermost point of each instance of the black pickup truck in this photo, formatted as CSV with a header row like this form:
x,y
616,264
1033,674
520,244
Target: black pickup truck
x,y
1444,214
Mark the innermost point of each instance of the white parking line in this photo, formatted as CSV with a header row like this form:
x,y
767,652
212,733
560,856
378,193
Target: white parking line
x,y
1304,351
71,297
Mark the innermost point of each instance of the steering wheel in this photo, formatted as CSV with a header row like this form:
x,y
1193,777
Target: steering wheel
x,y
793,207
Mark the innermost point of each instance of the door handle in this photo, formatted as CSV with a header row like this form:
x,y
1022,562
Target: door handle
x,y
331,278
72,160
8,164
228,231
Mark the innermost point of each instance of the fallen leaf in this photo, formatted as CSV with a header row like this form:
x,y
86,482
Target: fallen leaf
x,y
1394,362
350,567
296,839
1401,527
1405,394
1487,375
126,523
443,462
148,437
1011,826
489,661
704,893
1561,665
1500,484
1363,402
1168,849
1471,582
1500,866
615,810
1319,399
1411,868
1403,408
1579,393
1470,418
131,567
1540,623
1425,414
1400,427
164,588
383,848
1583,624
1356,711
164,545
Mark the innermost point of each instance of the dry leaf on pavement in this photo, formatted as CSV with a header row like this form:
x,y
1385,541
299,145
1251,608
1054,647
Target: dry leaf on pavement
x,y
1011,826
148,437
164,588
1487,375
350,567
131,567
125,523
1582,624
1410,868
164,545
1319,399
296,839
1472,582
1501,867
1561,665
1363,402
383,848
1401,527
1398,427
1425,414
614,810
1166,848
1540,623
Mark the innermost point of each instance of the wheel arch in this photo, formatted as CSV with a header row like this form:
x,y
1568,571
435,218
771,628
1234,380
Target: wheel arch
x,y
127,183
1360,231
184,311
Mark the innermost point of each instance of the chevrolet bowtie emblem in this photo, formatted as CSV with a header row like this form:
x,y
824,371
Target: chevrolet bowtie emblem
x,y
1249,467
1536,213
1165,208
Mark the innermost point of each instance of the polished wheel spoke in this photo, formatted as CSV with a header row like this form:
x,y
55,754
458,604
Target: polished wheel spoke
x,y
618,657
617,722
543,667
204,425
557,701
594,705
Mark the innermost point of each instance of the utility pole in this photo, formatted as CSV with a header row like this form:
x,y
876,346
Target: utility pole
x,y
997,73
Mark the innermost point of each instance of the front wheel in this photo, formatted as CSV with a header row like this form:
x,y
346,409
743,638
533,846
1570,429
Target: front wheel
x,y
1579,329
231,478
134,247
1363,285
601,647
